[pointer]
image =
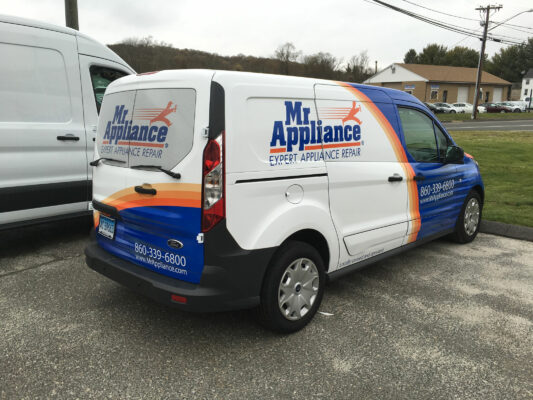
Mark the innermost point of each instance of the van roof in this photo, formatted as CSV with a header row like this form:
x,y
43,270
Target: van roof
x,y
86,44
167,77
9,19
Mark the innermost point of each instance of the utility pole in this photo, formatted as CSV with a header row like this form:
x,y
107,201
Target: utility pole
x,y
71,14
486,10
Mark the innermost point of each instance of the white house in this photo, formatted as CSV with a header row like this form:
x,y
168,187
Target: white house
x,y
527,86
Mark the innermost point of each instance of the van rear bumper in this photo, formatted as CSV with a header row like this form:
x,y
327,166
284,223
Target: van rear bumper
x,y
234,284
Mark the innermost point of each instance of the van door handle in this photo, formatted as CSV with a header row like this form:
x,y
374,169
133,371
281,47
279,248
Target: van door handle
x,y
143,190
419,177
68,137
395,178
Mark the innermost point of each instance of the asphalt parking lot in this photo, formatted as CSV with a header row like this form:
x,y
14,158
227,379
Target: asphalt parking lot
x,y
443,321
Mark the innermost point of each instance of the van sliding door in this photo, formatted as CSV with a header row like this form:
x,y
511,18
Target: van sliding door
x,y
367,183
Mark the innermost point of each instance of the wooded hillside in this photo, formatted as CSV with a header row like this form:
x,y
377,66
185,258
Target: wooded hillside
x,y
149,55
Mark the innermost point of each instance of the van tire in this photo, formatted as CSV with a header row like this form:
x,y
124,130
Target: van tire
x,y
464,234
303,259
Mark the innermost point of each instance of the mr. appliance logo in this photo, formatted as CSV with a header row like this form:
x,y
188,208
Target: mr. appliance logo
x,y
301,139
120,131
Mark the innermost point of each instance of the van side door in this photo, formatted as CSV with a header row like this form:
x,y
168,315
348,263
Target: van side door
x,y
368,183
43,163
437,182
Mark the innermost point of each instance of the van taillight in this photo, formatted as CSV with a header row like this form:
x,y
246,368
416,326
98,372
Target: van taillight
x,y
213,210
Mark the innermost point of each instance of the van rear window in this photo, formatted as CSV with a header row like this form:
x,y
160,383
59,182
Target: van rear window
x,y
147,127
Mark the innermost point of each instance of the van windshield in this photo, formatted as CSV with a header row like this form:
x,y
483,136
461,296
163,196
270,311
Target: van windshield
x,y
147,127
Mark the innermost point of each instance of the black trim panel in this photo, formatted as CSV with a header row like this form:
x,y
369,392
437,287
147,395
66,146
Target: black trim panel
x,y
106,209
279,178
217,120
240,271
35,196
354,267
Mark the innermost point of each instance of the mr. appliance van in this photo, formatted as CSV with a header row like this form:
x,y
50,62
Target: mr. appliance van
x,y
52,81
225,190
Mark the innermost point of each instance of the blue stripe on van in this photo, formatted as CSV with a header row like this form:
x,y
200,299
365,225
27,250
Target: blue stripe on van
x,y
142,235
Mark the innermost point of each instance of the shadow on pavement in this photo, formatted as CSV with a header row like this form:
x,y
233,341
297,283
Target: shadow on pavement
x,y
34,237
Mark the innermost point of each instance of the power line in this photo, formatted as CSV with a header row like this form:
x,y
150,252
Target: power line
x,y
440,12
511,26
443,25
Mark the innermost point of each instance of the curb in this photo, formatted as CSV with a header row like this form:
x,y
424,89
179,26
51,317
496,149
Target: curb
x,y
507,230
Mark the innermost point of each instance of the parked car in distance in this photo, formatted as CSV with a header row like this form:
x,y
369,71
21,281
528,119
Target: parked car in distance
x,y
446,108
495,108
432,108
463,107
512,107
467,108
52,85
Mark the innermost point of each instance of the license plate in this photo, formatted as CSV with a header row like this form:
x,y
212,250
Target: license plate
x,y
106,227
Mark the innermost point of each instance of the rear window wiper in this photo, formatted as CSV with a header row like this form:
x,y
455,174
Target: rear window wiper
x,y
95,162
175,175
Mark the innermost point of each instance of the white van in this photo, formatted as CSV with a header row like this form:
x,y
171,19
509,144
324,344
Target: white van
x,y
52,81
221,190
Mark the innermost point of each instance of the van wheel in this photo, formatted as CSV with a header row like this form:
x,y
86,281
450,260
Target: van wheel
x,y
293,288
468,222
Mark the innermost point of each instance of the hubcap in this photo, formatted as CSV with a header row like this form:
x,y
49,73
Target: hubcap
x,y
471,219
298,289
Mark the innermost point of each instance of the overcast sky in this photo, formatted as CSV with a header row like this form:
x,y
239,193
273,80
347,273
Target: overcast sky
x,y
341,27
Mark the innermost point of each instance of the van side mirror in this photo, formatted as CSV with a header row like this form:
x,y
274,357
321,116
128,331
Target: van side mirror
x,y
454,155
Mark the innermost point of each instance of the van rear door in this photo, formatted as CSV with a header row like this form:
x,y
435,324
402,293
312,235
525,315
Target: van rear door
x,y
148,186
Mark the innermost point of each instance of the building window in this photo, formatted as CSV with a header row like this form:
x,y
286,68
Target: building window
x,y
445,96
434,95
487,94
525,92
527,81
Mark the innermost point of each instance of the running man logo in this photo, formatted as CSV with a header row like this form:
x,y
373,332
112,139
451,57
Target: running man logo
x,y
300,133
155,114
352,115
345,114
120,131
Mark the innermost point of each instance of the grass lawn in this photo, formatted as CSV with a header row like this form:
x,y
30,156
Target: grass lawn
x,y
485,116
506,162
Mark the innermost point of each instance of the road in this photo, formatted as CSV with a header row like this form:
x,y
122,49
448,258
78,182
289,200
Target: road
x,y
502,125
439,322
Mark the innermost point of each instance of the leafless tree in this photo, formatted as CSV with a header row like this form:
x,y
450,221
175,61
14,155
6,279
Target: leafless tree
x,y
286,53
357,69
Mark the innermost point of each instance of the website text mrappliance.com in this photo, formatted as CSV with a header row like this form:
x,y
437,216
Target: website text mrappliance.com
x,y
436,197
160,265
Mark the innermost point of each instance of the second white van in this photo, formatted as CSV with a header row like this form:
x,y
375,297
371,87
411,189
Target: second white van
x,y
223,190
52,81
